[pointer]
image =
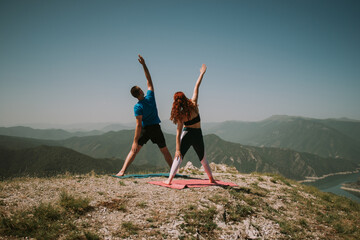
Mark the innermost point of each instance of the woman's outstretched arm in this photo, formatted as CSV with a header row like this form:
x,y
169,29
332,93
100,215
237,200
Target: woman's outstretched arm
x,y
197,85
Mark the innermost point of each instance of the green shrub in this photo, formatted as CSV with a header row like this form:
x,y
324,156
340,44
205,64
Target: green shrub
x,y
289,228
41,222
77,205
239,211
141,204
115,204
199,221
130,228
218,199
91,236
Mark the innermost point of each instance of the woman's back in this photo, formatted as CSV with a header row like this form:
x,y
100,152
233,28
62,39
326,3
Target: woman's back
x,y
194,120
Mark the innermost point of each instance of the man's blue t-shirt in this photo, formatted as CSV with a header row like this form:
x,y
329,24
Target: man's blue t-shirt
x,y
147,108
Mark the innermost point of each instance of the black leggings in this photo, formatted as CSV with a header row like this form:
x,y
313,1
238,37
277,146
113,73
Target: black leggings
x,y
192,137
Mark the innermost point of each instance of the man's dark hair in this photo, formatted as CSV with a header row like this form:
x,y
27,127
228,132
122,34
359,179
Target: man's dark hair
x,y
135,91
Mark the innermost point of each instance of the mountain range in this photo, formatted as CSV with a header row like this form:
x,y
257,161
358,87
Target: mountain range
x,y
295,147
246,159
49,134
103,153
327,138
324,137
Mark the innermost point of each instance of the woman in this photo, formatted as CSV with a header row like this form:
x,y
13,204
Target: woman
x,y
185,113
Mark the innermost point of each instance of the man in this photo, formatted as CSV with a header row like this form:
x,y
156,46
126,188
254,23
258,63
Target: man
x,y
147,122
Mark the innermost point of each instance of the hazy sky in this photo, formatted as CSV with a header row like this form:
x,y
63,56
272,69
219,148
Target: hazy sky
x,y
75,61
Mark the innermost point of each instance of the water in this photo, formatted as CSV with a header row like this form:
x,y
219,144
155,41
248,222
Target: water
x,y
333,184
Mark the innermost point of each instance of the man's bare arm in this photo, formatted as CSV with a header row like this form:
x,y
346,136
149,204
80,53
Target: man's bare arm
x,y
147,73
135,144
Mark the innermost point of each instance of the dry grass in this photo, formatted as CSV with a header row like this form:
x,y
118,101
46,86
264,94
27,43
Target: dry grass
x,y
98,207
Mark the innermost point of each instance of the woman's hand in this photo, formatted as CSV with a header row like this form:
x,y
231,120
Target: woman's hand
x,y
203,69
141,60
177,154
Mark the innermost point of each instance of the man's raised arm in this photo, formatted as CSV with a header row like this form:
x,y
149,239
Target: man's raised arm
x,y
147,73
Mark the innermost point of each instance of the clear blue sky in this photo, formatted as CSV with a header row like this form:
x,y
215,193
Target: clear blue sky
x,y
74,61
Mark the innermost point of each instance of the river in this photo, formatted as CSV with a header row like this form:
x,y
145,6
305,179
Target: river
x,y
333,184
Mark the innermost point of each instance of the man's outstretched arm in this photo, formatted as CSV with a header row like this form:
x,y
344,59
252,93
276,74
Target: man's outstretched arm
x,y
147,73
135,144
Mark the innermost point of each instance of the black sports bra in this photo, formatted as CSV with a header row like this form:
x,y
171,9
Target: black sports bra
x,y
193,121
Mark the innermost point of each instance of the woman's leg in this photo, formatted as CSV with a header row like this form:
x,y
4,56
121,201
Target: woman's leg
x,y
174,168
199,148
207,169
184,147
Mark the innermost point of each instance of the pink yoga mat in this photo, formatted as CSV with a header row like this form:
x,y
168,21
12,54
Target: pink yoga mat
x,y
183,183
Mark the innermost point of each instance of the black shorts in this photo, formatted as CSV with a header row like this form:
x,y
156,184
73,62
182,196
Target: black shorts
x,y
154,133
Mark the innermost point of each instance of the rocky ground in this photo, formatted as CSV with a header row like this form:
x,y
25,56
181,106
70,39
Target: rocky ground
x,y
261,207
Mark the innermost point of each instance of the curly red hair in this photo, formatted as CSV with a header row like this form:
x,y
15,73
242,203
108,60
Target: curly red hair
x,y
182,108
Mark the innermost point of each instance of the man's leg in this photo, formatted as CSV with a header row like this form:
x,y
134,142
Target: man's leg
x,y
167,155
129,159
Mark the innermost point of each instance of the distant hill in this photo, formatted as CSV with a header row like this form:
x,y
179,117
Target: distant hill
x,y
53,160
118,145
50,160
349,127
289,163
326,138
51,134
74,127
118,127
16,143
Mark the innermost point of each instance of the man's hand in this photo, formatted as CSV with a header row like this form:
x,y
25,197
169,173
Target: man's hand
x,y
141,60
147,73
135,147
202,69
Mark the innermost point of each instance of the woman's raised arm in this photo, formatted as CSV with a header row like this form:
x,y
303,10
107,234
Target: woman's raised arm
x,y
197,85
